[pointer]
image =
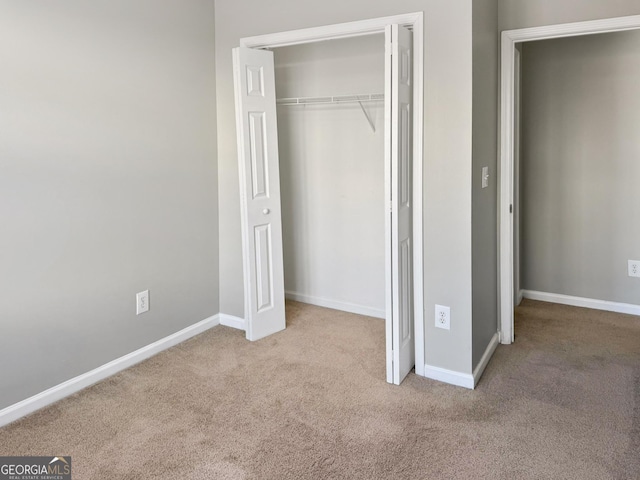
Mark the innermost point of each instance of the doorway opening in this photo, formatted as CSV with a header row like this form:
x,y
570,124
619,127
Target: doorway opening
x,y
509,203
260,184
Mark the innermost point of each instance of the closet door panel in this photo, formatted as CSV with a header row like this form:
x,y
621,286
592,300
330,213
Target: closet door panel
x,y
259,191
399,93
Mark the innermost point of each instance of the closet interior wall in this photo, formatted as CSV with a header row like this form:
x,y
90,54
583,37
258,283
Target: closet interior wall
x,y
332,174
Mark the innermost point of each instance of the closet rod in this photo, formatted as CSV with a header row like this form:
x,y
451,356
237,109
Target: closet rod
x,y
368,97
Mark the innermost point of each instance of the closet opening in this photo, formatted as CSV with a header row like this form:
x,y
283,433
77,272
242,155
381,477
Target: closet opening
x,y
329,123
330,104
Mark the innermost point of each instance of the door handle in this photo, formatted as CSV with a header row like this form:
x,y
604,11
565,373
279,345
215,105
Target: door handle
x,y
266,211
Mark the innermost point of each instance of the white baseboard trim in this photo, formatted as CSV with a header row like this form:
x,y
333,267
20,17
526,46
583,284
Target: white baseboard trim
x,y
53,394
335,304
583,302
449,376
233,322
520,296
484,361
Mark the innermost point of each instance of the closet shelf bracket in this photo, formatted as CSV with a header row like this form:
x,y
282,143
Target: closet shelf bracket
x,y
366,114
359,99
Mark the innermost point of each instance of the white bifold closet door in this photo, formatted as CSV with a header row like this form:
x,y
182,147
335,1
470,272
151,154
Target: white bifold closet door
x,y
399,149
257,133
260,197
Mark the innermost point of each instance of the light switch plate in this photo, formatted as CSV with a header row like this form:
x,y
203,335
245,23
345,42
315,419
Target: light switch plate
x,y
485,177
142,302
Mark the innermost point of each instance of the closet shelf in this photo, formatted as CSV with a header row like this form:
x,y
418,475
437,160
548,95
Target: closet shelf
x,y
367,97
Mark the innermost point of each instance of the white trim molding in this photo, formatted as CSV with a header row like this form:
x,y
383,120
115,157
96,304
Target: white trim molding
x,y
574,29
233,322
330,32
452,377
595,304
53,394
464,379
335,304
507,124
416,23
484,361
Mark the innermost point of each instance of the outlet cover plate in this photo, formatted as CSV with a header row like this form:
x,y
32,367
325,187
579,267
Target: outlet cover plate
x,y
634,268
142,302
443,317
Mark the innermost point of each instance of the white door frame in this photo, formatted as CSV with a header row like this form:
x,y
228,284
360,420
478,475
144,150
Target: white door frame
x,y
414,21
507,136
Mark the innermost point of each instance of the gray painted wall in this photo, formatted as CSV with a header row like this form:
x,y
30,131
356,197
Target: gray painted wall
x,y
107,182
534,13
580,166
447,156
332,172
485,154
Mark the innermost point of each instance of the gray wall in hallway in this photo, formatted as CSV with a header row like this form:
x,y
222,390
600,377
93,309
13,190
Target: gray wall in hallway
x,y
580,166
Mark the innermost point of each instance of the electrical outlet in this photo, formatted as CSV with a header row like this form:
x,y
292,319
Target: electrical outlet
x,y
634,268
443,317
142,302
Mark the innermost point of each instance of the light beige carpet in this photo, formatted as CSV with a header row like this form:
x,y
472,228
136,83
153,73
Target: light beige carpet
x,y
311,402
